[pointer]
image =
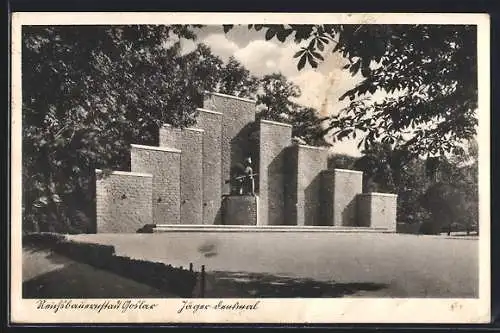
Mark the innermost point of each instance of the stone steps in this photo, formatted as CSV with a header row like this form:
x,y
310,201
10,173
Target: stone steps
x,y
268,228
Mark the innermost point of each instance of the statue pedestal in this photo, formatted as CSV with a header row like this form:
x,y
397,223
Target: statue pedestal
x,y
239,210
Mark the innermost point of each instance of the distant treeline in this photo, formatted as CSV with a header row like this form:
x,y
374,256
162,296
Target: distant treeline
x,y
435,193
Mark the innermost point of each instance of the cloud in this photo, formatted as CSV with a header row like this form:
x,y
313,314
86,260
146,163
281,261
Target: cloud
x,y
259,57
321,87
220,45
187,46
311,85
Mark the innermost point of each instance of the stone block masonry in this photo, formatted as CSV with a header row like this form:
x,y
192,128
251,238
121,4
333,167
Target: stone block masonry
x,y
211,123
192,176
340,188
170,137
240,210
123,201
377,210
190,142
305,195
238,115
273,139
186,179
165,166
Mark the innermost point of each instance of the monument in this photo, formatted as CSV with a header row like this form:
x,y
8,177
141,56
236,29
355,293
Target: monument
x,y
216,173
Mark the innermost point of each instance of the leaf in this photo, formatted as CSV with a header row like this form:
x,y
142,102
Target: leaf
x,y
302,62
283,34
318,56
270,33
227,27
324,40
344,133
360,143
355,67
320,45
299,53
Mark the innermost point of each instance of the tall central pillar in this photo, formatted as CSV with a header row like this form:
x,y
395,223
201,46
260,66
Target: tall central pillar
x,y
238,116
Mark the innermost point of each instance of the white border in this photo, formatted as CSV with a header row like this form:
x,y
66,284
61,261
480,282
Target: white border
x,y
351,310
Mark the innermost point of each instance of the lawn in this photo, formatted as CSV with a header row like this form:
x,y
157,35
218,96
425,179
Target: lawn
x,y
313,264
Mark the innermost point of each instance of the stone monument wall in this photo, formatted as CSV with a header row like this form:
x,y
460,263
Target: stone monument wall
x,y
190,142
123,201
340,188
183,180
238,116
307,195
377,210
240,210
165,166
211,123
273,139
192,176
170,137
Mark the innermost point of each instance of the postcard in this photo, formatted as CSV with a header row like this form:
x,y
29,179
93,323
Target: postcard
x,y
250,168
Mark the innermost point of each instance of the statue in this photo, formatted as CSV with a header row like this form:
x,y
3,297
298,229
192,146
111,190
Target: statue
x,y
242,181
248,186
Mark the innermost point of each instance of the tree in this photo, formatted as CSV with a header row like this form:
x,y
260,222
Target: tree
x,y
91,91
453,198
341,161
275,100
389,170
276,103
236,80
376,164
428,73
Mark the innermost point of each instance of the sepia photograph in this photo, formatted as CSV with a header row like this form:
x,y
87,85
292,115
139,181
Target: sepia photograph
x,y
220,168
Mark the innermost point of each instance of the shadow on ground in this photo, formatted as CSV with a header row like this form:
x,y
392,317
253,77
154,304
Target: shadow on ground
x,y
243,284
71,279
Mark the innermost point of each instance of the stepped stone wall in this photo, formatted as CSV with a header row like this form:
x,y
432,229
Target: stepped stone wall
x,y
165,166
306,195
238,115
273,139
192,177
183,181
190,142
170,137
377,210
340,189
211,123
123,201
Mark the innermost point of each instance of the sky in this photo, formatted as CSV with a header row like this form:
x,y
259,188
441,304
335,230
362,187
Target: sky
x,y
320,87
